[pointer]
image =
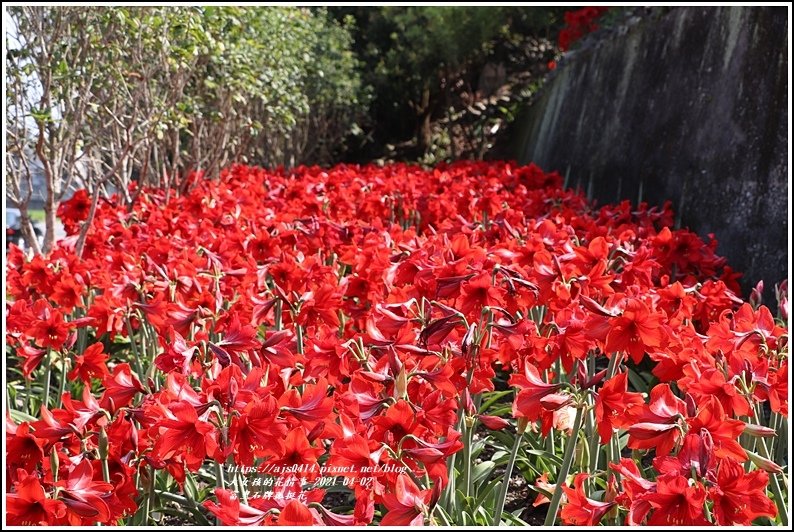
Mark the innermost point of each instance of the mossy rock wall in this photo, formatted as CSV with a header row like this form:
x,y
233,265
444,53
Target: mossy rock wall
x,y
688,104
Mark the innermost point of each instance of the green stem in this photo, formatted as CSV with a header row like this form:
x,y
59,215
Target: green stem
x,y
449,499
134,346
467,456
105,470
277,311
774,481
613,365
500,502
781,428
149,501
219,482
550,441
554,506
47,375
773,423
28,395
62,386
299,334
467,435
593,444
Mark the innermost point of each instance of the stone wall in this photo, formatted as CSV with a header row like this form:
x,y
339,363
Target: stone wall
x,y
688,104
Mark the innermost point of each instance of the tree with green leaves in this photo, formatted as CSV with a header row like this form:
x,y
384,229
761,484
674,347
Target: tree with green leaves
x,y
101,97
414,56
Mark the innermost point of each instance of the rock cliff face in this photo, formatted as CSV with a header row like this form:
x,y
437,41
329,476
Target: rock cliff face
x,y
688,104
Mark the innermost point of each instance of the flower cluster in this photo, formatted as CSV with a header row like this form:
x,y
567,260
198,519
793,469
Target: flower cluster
x,y
353,319
578,24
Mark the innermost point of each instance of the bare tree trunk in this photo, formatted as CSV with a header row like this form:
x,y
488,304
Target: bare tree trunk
x,y
78,249
49,202
424,133
26,225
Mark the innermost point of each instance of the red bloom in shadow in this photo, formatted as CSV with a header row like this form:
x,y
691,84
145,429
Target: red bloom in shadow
x,y
531,389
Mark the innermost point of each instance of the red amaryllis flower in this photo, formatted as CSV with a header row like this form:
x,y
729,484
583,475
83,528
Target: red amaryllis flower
x,y
479,292
256,432
67,293
353,454
330,518
120,388
615,405
90,364
739,497
696,452
321,306
38,275
85,498
49,329
581,510
74,210
635,331
54,426
32,357
431,453
23,450
238,339
313,405
724,431
295,513
398,421
677,501
543,487
531,390
659,424
298,451
184,434
179,356
407,505
711,381
634,488
232,512
84,412
29,504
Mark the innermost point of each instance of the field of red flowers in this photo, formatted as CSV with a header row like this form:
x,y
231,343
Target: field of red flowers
x,y
392,345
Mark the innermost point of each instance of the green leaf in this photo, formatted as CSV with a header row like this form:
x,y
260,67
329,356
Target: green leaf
x,y
482,471
19,416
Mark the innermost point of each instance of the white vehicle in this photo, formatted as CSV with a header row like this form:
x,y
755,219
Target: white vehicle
x,y
14,229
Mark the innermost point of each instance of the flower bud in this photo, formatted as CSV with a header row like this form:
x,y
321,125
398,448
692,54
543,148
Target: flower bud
x,y
555,401
493,422
764,463
759,431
